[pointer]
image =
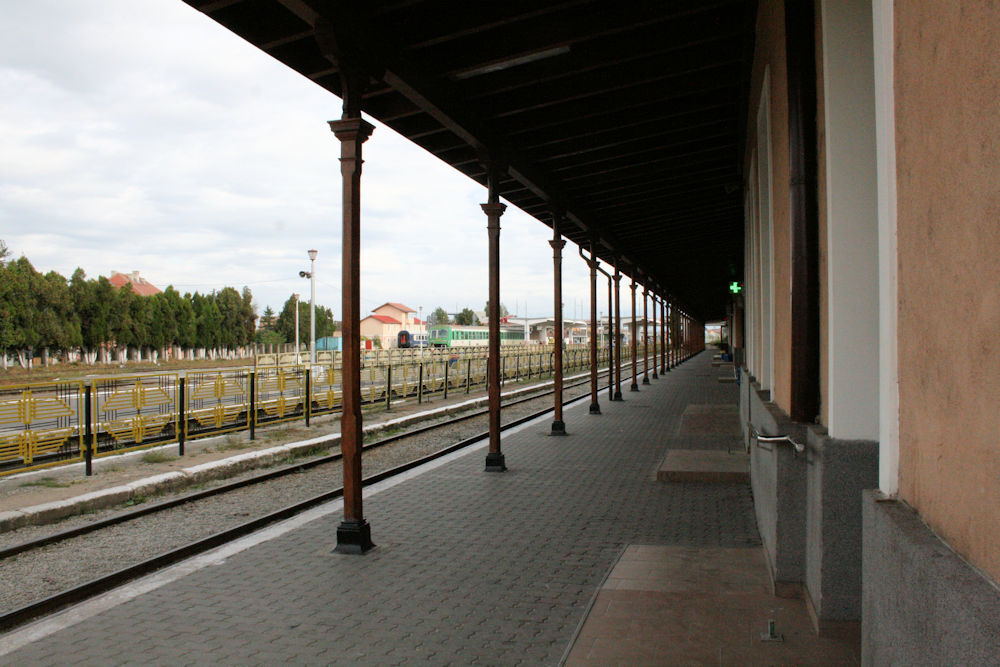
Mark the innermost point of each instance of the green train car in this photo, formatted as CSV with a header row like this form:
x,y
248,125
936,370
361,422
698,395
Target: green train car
x,y
455,335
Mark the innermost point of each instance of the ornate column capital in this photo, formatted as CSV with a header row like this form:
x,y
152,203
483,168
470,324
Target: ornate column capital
x,y
351,129
494,210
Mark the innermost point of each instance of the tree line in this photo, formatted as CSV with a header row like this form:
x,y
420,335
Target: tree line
x,y
277,329
91,320
466,316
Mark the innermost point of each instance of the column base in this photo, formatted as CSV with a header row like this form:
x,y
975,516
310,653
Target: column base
x,y
354,537
595,408
558,428
618,395
634,387
655,376
645,380
495,462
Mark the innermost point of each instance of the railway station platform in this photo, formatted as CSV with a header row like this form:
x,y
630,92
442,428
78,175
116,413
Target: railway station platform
x,y
580,553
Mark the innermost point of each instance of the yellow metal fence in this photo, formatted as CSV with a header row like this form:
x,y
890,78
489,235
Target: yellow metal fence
x,y
54,423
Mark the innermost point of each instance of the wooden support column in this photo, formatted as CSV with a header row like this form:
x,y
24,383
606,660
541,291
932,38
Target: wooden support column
x,y
635,342
592,263
354,533
557,243
618,334
493,210
655,374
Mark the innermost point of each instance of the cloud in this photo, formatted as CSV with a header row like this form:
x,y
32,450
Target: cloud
x,y
145,136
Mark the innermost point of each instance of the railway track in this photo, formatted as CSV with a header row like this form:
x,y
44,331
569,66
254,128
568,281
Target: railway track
x,y
326,466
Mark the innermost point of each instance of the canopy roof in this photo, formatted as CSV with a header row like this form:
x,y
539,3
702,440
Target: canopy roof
x,y
626,115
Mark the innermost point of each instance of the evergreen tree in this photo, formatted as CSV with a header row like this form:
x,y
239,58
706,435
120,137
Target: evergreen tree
x,y
503,309
58,322
248,317
208,321
267,319
285,324
230,314
325,325
187,327
20,308
466,317
439,316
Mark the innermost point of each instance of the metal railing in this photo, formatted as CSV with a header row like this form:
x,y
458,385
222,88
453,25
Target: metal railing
x,y
59,422
776,439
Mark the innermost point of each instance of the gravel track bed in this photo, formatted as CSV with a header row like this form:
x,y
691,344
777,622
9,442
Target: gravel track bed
x,y
39,573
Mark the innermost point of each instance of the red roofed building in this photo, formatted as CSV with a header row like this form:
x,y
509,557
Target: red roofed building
x,y
396,311
386,321
139,284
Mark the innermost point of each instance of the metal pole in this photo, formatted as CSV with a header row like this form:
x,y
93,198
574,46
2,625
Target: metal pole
x,y
307,406
645,334
88,445
655,374
611,343
635,361
388,386
595,406
663,335
494,209
558,425
181,417
252,410
354,533
618,335
312,307
298,357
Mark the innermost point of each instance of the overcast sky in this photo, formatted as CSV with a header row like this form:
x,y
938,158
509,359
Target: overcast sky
x,y
144,136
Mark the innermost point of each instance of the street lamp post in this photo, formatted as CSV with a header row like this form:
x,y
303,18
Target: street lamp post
x,y
311,275
298,359
312,307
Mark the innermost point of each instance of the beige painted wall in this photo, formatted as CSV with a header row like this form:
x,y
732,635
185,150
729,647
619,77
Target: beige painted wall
x,y
386,333
771,53
947,74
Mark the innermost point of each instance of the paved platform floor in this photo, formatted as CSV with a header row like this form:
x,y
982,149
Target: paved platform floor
x,y
471,567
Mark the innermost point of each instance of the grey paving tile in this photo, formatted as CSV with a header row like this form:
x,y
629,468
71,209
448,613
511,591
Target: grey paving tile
x,y
471,567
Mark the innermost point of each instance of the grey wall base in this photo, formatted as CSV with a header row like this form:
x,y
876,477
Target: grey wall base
x,y
922,604
837,472
778,481
808,510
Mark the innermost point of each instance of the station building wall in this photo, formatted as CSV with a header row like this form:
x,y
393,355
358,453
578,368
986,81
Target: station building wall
x,y
909,224
947,105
